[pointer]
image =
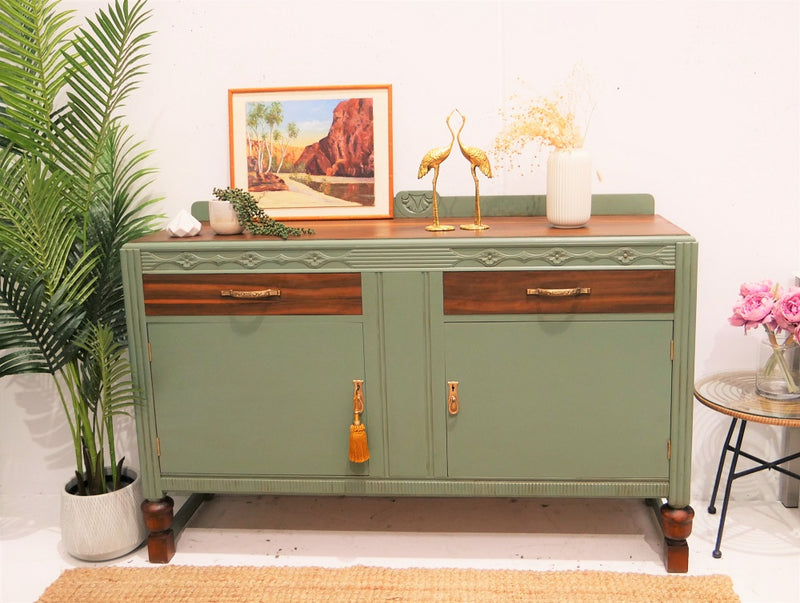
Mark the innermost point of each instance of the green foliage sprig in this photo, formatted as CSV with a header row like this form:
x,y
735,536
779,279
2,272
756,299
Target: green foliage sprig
x,y
254,219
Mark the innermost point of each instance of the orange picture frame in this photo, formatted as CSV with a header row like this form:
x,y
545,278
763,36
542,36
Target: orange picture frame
x,y
314,152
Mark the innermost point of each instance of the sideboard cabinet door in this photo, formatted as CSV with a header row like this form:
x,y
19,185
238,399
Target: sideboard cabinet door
x,y
256,395
559,399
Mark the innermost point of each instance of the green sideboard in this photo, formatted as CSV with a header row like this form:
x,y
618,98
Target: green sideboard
x,y
522,360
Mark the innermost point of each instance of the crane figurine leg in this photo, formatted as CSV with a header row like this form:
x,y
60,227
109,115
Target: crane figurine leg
x,y
477,224
436,226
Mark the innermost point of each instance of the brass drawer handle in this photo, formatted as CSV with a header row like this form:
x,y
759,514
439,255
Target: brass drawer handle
x,y
260,294
574,292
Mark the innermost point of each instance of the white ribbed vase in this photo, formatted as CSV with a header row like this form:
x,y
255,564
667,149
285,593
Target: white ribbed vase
x,y
104,526
569,188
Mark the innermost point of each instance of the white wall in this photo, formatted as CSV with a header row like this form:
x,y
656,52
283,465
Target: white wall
x,y
700,107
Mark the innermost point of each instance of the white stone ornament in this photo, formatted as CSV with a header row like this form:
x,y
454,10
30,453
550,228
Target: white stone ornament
x,y
184,225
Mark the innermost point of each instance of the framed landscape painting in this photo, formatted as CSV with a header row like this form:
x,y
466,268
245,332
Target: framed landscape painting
x,y
314,152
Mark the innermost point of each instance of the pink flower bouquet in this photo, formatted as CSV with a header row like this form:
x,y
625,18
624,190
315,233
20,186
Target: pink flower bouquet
x,y
777,309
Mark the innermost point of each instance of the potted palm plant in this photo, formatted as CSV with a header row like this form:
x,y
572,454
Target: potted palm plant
x,y
72,182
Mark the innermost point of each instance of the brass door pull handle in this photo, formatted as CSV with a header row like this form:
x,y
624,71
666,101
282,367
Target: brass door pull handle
x,y
259,294
573,292
452,397
358,396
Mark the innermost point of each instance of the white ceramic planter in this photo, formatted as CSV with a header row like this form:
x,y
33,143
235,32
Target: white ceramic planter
x,y
223,219
105,526
569,188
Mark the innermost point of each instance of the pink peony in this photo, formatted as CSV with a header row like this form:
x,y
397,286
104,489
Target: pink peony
x,y
756,287
753,310
787,309
766,304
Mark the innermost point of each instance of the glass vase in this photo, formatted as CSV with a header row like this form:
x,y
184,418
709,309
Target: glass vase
x,y
569,188
778,373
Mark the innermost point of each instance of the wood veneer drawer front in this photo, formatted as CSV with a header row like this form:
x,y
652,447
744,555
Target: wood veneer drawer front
x,y
251,294
559,292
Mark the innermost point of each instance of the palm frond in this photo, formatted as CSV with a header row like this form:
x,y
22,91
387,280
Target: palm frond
x,y
35,229
117,217
104,66
37,328
108,391
107,372
33,221
33,38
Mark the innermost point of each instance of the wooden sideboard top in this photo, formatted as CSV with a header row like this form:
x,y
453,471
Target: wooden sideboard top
x,y
414,228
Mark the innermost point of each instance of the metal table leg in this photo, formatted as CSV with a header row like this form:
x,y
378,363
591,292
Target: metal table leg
x,y
731,475
711,508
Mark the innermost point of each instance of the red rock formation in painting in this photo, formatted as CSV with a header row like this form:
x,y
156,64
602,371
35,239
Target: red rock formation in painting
x,y
348,149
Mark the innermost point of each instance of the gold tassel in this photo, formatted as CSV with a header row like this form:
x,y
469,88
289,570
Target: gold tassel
x,y
359,450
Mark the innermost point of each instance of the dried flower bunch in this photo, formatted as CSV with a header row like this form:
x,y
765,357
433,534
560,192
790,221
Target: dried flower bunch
x,y
558,121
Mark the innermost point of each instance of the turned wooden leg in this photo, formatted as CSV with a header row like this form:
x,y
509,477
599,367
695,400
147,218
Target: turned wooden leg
x,y
158,519
677,526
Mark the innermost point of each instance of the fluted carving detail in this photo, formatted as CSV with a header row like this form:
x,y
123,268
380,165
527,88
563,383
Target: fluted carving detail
x,y
424,487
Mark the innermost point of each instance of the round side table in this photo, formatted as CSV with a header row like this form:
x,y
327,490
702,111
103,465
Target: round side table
x,y
734,394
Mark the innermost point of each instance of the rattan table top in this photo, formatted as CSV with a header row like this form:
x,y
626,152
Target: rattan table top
x,y
734,393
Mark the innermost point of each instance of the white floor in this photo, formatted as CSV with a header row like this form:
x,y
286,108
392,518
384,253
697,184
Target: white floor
x,y
761,546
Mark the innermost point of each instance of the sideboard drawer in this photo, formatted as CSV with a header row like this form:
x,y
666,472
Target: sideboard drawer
x,y
559,292
251,294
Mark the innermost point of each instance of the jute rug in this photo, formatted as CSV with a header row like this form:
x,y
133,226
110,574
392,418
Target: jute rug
x,y
179,584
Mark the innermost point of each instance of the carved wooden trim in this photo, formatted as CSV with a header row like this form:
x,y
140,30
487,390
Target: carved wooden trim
x,y
417,258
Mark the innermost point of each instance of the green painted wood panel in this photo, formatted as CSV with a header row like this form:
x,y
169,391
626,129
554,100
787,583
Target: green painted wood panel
x,y
406,328
408,204
559,399
420,203
257,395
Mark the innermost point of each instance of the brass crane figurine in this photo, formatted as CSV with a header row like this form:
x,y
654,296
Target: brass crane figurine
x,y
477,160
433,159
